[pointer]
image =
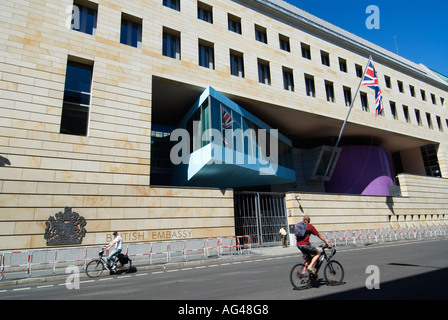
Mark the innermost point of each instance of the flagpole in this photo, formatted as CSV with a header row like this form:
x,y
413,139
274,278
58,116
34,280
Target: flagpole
x,y
345,122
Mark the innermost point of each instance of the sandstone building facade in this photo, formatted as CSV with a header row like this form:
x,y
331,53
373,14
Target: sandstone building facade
x,y
91,91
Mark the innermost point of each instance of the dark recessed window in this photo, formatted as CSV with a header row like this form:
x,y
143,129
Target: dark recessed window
x,y
171,43
76,102
131,31
261,34
206,55
264,73
84,18
236,64
205,12
173,4
234,23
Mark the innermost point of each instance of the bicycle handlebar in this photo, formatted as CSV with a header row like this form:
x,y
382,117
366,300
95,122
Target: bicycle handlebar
x,y
333,249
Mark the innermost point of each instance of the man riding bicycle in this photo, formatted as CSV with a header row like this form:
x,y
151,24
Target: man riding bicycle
x,y
303,244
118,242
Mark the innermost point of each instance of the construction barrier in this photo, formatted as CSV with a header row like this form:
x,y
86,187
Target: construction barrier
x,y
15,260
367,236
22,264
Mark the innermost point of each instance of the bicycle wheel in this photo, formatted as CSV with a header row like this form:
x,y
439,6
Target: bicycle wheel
x,y
95,268
124,268
334,273
300,277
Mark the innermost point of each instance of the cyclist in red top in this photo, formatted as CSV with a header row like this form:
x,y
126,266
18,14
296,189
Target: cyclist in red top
x,y
303,244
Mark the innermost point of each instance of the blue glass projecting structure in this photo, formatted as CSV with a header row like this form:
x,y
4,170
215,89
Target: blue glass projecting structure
x,y
219,144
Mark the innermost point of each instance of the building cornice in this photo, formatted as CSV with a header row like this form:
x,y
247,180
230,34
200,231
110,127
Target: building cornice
x,y
349,38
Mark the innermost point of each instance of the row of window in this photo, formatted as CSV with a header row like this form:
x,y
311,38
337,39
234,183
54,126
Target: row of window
x,y
205,12
77,97
84,20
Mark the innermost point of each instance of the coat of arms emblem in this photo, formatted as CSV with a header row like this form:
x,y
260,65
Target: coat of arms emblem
x,y
65,228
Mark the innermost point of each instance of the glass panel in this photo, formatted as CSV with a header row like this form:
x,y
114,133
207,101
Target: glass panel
x,y
78,77
74,119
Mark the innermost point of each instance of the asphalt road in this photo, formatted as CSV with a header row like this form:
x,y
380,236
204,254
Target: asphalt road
x,y
407,270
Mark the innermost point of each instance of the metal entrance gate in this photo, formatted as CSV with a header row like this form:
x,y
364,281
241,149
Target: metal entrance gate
x,y
260,215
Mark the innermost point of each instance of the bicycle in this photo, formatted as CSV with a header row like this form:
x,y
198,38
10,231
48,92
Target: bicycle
x,y
97,266
334,272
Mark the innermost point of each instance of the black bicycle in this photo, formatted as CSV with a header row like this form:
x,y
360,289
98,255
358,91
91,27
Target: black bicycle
x,y
333,272
96,266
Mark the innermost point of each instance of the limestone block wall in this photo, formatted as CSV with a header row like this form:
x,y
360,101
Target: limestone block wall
x,y
424,202
140,214
105,175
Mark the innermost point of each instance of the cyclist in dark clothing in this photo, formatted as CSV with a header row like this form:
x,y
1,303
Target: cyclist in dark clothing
x,y
303,244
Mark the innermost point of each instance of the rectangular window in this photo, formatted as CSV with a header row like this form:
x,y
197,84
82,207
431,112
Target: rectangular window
x,y
430,160
406,114
417,116
234,23
306,51
400,86
388,83
358,69
261,34
393,109
76,102
412,90
288,79
171,43
173,4
433,99
131,31
364,102
423,93
206,55
284,43
329,90
342,65
205,12
325,56
236,64
84,17
347,96
429,120
264,73
439,123
309,86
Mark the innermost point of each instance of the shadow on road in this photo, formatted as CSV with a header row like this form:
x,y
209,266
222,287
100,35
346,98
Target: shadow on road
x,y
426,286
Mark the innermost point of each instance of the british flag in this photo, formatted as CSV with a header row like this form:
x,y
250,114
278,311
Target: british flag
x,y
226,119
370,80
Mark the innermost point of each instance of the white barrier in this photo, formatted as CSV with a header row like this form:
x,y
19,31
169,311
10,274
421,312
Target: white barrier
x,y
24,262
17,259
365,236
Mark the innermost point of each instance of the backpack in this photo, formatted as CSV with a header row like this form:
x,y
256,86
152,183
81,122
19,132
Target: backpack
x,y
124,259
300,230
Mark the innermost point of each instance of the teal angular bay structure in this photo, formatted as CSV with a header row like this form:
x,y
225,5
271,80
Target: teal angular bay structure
x,y
222,145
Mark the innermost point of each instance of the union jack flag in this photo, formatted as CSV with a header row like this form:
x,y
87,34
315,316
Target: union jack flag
x,y
371,80
226,123
227,120
378,101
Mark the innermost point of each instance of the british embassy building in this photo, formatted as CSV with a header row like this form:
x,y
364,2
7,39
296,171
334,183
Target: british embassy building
x,y
187,119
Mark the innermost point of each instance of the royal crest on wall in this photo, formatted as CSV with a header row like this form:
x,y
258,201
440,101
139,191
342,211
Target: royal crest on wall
x,y
65,228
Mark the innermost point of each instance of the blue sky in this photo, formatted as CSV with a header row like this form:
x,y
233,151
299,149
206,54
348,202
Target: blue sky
x,y
420,27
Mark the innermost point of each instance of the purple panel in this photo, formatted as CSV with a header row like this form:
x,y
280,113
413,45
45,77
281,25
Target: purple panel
x,y
362,170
